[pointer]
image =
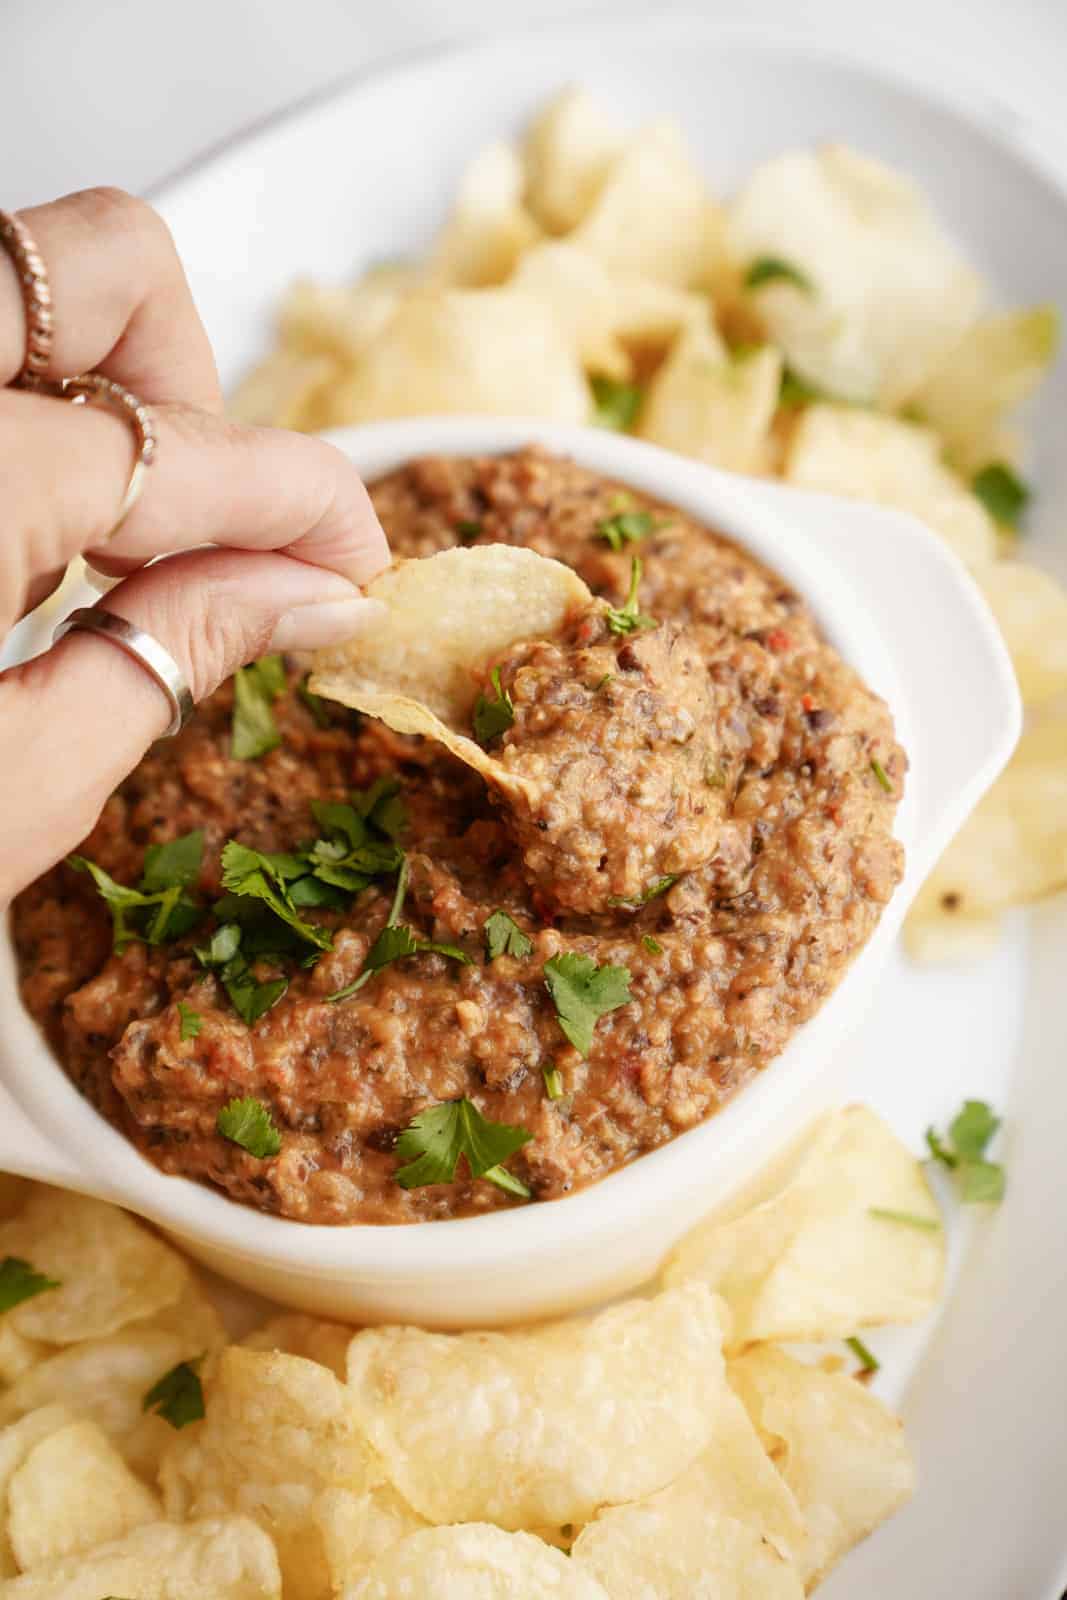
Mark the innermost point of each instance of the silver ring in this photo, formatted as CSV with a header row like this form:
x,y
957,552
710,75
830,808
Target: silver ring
x,y
157,662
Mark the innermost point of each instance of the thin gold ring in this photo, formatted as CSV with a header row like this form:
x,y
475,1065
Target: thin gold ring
x,y
36,298
93,389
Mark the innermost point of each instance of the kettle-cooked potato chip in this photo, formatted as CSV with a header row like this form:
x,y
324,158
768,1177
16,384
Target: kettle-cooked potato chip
x,y
1031,610
568,152
16,1442
447,616
489,227
807,1257
73,1491
728,1526
111,1270
358,1528
227,1559
540,1427
474,1562
284,390
293,1334
705,404
278,1430
840,1450
652,216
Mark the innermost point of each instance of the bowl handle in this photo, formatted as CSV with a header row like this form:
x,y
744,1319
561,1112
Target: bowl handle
x,y
25,1150
942,635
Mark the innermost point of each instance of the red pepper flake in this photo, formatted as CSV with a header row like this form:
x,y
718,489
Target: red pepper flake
x,y
807,703
778,641
587,630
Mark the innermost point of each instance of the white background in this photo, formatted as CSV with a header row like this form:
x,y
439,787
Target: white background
x,y
113,91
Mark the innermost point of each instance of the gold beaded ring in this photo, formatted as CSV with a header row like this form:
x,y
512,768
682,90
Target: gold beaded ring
x,y
36,297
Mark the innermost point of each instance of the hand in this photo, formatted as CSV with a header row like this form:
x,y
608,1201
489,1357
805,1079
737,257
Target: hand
x,y
294,524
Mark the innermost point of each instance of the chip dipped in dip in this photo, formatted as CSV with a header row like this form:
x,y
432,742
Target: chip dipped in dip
x,y
345,976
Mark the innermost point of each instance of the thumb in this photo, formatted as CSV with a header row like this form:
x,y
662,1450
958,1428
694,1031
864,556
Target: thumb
x,y
77,719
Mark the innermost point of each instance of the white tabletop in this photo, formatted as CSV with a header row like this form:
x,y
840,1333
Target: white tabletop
x,y
120,92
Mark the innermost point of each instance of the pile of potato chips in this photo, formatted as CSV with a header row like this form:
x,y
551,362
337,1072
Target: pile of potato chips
x,y
819,327
668,1445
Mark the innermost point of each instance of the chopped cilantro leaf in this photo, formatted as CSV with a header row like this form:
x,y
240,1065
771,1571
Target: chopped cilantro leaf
x,y
553,1082
615,404
978,1181
263,877
881,774
173,865
161,908
582,993
434,1141
319,708
191,1021
394,943
657,887
255,689
773,269
222,947
972,1128
1002,492
178,1397
248,1122
797,391
653,946
609,677
503,936
625,527
908,1219
250,998
868,1361
493,717
20,1281
627,618
467,530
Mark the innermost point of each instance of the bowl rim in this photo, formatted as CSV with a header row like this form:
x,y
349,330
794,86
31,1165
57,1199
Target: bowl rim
x,y
107,1163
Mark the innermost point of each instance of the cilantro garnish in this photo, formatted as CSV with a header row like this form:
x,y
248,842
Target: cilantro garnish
x,y
319,708
625,527
773,269
265,877
191,1021
627,618
653,946
797,391
20,1281
434,1141
908,1219
248,1122
162,907
615,404
493,717
1002,492
881,774
978,1181
609,677
178,1397
503,936
582,993
868,1361
255,689
553,1082
250,998
657,887
467,530
396,941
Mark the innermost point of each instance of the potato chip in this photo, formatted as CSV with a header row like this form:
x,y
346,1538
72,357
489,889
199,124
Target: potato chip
x,y
282,391
864,456
568,152
934,935
487,351
293,1334
228,1559
18,1355
706,405
447,616
991,369
278,1431
358,1528
474,1562
805,1257
543,1426
1013,846
1031,610
111,1270
17,1440
73,1491
341,321
651,217
840,1450
887,292
489,227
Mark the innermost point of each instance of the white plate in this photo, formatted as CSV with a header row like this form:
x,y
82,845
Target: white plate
x,y
367,174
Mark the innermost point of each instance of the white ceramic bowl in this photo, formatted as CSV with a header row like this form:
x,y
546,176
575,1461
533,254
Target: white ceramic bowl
x,y
897,606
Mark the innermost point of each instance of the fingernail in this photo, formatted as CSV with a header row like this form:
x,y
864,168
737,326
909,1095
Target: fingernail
x,y
311,627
